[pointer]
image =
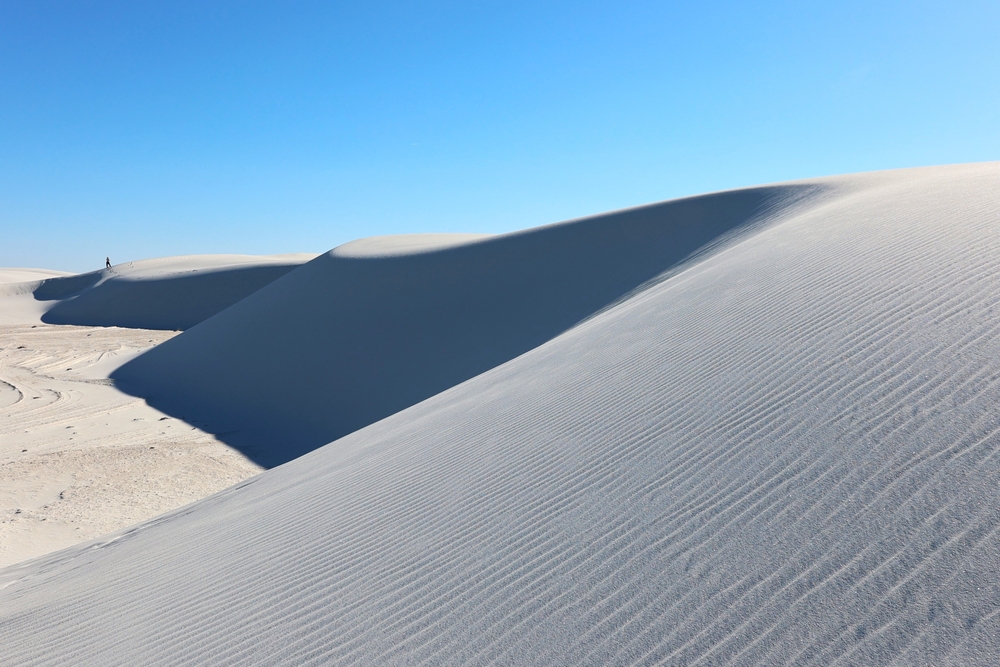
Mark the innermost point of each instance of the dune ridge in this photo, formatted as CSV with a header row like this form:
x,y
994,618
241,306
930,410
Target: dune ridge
x,y
23,275
172,293
785,453
377,325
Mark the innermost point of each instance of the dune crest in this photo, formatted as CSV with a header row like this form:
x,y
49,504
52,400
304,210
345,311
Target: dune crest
x,y
403,244
22,275
171,293
378,325
79,459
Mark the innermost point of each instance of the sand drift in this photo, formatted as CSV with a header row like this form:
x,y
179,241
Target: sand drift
x,y
751,428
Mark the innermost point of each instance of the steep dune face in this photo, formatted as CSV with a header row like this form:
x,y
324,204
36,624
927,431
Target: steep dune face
x,y
378,325
171,293
785,454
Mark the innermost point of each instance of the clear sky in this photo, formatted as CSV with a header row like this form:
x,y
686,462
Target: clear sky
x,y
143,129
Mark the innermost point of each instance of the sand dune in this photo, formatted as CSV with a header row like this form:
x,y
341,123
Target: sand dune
x,y
378,325
80,459
785,452
20,275
173,293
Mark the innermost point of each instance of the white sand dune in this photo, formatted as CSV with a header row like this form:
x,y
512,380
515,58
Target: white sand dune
x,y
378,325
785,452
17,305
172,293
20,275
80,459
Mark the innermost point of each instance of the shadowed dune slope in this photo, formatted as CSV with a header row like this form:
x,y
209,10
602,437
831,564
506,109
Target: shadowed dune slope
x,y
380,324
169,293
788,453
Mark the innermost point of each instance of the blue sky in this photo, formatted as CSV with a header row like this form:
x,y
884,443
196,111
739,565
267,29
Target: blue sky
x,y
146,129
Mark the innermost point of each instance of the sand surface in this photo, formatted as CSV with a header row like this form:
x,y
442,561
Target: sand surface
x,y
78,458
784,448
170,293
21,275
378,325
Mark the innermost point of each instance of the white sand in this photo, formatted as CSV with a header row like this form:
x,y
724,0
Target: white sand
x,y
170,293
78,458
403,244
18,275
377,325
782,453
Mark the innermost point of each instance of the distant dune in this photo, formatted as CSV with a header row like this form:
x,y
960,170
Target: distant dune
x,y
18,275
172,293
751,428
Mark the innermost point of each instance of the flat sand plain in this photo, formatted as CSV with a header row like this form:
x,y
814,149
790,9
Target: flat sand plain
x,y
79,458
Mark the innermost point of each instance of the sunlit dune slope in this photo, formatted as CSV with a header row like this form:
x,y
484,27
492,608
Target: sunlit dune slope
x,y
786,453
380,324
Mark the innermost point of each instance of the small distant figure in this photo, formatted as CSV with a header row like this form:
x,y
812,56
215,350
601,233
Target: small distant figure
x,y
107,262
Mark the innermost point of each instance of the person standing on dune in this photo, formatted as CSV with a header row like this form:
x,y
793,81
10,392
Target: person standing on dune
x,y
107,262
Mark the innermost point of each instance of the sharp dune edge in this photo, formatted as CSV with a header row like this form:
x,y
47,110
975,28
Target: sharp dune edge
x,y
780,451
